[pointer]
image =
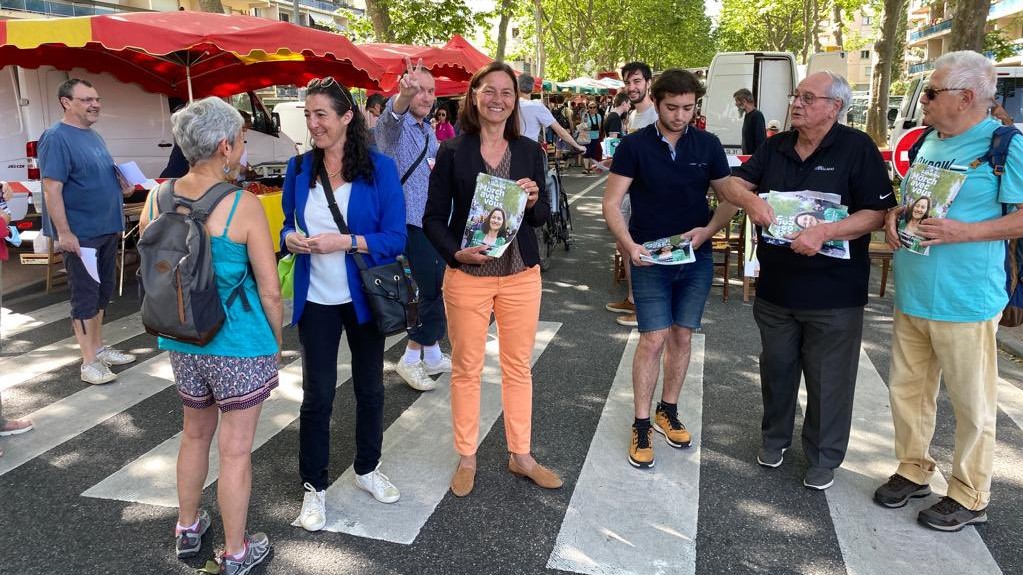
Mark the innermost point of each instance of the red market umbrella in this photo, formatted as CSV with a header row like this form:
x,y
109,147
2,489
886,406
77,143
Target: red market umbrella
x,y
476,58
187,53
455,65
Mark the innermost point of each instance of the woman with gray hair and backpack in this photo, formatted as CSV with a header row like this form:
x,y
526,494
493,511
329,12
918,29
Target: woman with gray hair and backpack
x,y
222,375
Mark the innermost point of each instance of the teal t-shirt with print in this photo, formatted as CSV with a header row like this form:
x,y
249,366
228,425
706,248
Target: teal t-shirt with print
x,y
962,282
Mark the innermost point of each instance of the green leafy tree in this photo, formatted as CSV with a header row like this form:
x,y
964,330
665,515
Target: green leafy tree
x,y
1000,46
584,38
413,21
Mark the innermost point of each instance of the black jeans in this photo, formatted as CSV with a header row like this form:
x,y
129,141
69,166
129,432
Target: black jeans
x,y
428,271
319,331
824,347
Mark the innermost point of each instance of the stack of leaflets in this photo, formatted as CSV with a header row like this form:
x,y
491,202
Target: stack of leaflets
x,y
928,193
495,215
671,251
796,211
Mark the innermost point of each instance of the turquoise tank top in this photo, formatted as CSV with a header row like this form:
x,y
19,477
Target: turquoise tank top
x,y
245,333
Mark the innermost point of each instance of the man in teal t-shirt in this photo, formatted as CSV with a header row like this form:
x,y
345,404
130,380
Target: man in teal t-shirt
x,y
84,216
949,301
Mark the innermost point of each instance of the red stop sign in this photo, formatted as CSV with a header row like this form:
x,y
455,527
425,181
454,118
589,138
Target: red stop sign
x,y
900,155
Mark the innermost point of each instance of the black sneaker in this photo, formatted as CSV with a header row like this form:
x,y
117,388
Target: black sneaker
x,y
257,549
819,478
898,491
188,543
771,457
949,515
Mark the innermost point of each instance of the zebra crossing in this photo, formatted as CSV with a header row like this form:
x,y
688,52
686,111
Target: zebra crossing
x,y
614,519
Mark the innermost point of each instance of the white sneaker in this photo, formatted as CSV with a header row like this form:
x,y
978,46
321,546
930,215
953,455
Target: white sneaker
x,y
111,356
442,366
379,486
314,510
415,375
97,373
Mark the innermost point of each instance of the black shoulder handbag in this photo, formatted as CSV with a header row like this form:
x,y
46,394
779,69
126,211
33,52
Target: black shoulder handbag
x,y
392,294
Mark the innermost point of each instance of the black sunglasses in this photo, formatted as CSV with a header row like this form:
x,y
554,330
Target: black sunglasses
x,y
932,93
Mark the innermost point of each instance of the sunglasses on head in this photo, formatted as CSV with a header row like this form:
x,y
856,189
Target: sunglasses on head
x,y
326,82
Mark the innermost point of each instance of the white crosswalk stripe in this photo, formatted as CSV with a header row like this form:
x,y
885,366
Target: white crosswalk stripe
x,y
13,324
83,410
150,479
624,520
418,457
19,369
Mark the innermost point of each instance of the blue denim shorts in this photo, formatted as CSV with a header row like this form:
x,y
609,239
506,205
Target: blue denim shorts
x,y
672,295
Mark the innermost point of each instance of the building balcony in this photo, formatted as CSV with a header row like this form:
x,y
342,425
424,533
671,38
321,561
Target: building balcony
x,y
935,29
58,8
321,5
1004,8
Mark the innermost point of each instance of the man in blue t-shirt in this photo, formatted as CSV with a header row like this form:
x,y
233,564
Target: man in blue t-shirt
x,y
83,212
809,306
666,168
949,301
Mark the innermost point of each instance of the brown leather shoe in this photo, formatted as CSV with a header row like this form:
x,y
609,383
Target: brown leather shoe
x,y
463,481
539,474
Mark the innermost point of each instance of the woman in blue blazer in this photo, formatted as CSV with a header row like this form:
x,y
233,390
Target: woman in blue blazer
x,y
328,293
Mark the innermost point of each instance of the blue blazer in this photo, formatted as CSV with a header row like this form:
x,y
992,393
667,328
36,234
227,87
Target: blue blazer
x,y
376,211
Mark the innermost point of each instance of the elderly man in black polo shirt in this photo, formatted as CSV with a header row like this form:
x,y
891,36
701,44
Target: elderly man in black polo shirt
x,y
809,307
666,168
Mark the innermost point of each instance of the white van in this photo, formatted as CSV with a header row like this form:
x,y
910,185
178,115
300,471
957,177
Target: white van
x,y
1008,91
134,123
771,76
292,119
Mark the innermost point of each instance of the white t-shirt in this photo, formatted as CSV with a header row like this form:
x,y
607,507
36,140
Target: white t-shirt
x,y
639,120
328,277
534,117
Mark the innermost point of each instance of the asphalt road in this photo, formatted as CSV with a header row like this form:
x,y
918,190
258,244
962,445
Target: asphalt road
x,y
67,504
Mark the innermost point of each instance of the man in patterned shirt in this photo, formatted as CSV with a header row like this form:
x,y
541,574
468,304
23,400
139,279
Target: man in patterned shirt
x,y
403,132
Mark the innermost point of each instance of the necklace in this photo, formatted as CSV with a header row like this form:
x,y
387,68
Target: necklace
x,y
334,174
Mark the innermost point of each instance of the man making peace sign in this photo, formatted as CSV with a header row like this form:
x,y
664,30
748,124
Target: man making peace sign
x,y
403,133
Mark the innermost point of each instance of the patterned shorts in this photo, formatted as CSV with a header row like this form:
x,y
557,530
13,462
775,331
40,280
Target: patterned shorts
x,y
229,382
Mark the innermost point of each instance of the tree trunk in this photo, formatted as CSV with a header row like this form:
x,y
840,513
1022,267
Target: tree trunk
x,y
214,6
836,18
541,55
502,29
968,25
816,27
380,14
877,112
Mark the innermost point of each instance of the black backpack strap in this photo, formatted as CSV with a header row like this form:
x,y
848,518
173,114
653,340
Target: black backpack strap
x,y
998,153
419,160
915,148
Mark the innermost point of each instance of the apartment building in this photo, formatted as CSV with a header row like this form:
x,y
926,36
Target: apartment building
x,y
930,28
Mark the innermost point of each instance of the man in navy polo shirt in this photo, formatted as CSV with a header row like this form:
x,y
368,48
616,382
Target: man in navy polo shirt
x,y
666,168
809,307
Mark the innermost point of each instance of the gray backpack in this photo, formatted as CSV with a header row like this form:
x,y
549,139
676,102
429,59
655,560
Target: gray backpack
x,y
176,277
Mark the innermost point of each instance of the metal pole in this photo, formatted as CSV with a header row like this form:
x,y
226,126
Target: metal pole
x,y
188,80
294,14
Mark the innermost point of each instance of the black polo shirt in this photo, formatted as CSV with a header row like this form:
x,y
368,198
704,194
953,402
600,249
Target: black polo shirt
x,y
669,194
846,163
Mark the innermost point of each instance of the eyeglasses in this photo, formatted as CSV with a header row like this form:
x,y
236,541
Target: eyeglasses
x,y
490,94
88,101
592,107
326,82
808,98
932,93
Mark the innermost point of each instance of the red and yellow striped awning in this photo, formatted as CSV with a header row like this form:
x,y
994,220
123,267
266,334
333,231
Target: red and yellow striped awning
x,y
222,54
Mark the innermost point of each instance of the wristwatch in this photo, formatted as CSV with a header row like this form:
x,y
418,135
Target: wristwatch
x,y
355,245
